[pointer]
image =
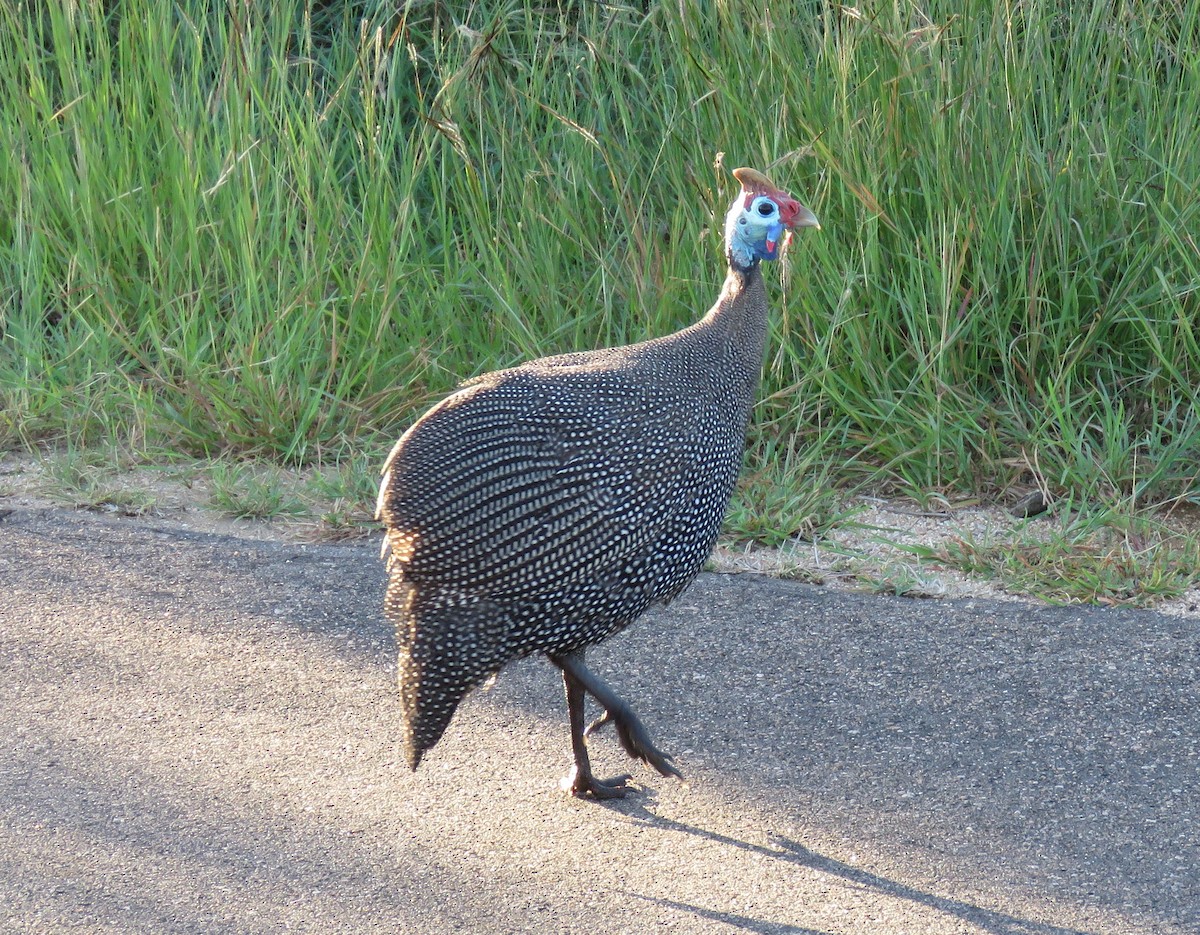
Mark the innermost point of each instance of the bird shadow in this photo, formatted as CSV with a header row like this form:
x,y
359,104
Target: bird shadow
x,y
793,852
732,919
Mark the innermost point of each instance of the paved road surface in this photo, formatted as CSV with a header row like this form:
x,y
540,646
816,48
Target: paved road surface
x,y
199,734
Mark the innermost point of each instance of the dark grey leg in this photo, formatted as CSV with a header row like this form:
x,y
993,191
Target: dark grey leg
x,y
581,781
577,679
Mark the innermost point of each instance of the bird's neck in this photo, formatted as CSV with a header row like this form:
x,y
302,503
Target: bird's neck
x,y
741,310
738,322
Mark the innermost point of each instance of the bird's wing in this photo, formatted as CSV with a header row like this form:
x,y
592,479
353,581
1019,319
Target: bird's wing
x,y
519,485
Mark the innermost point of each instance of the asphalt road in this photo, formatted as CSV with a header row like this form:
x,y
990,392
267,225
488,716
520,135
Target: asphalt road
x,y
199,734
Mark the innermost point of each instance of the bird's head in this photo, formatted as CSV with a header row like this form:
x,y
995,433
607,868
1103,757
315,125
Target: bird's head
x,y
761,219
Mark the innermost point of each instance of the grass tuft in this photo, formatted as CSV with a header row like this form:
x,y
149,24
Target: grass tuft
x,y
87,479
251,492
1100,557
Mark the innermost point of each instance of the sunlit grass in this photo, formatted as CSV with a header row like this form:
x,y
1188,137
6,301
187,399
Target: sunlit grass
x,y
1096,556
280,231
87,479
243,491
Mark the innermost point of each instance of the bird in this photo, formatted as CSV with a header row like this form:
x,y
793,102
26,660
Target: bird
x,y
543,508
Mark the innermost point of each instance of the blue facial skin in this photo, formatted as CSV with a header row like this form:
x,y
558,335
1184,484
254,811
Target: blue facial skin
x,y
754,230
768,248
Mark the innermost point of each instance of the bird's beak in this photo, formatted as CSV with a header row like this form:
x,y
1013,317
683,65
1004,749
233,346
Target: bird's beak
x,y
792,216
801,217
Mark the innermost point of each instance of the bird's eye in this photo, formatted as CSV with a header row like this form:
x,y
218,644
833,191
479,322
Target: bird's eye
x,y
766,208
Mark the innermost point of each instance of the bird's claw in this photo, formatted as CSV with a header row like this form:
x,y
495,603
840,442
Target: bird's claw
x,y
583,784
636,742
646,752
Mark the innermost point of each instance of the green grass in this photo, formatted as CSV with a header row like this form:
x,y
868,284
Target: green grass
x,y
1094,556
88,479
241,491
280,231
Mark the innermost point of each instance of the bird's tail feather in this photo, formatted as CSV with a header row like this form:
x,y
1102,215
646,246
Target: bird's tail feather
x,y
444,652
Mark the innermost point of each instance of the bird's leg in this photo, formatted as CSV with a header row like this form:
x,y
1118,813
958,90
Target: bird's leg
x,y
581,781
630,730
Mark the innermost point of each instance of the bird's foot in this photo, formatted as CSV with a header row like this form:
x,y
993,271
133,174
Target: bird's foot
x,y
637,744
635,739
582,784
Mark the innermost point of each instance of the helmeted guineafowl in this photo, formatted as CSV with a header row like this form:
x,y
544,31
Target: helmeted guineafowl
x,y
543,508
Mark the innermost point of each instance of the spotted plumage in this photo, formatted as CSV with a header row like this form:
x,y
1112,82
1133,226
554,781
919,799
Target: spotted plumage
x,y
543,508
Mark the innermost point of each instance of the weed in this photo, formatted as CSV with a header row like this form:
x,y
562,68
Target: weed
x,y
253,492
901,580
1101,558
89,479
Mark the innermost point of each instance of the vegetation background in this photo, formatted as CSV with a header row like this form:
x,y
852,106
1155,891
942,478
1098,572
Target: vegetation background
x,y
280,230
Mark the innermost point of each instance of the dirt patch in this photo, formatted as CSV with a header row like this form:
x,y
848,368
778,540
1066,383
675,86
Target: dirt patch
x,y
885,547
